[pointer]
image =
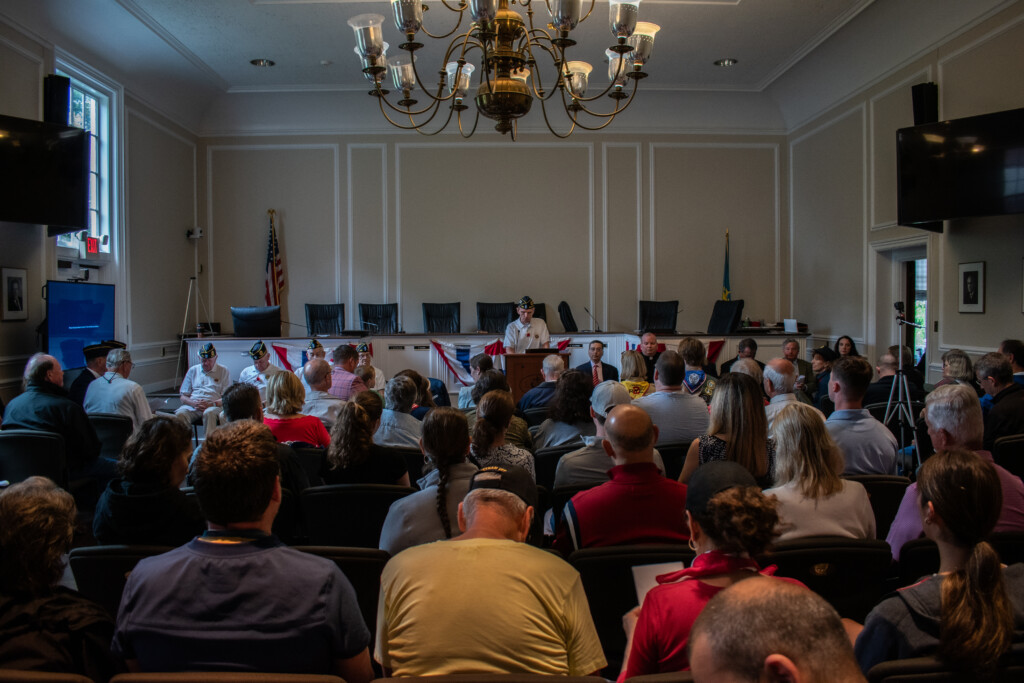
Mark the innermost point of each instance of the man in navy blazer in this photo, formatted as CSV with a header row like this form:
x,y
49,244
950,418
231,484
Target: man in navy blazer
x,y
604,371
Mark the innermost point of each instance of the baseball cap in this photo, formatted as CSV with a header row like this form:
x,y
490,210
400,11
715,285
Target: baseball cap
x,y
512,479
713,478
607,395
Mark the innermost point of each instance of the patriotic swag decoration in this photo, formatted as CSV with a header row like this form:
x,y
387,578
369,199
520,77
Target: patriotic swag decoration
x,y
456,357
274,281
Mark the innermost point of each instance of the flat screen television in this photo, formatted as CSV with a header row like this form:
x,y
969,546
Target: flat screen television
x,y
77,314
963,168
44,174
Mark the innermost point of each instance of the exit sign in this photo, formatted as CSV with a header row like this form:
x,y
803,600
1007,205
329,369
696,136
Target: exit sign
x,y
92,245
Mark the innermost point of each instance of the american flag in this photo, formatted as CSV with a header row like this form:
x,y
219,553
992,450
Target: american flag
x,y
275,272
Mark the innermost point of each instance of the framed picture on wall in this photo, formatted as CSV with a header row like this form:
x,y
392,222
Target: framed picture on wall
x,y
12,283
972,287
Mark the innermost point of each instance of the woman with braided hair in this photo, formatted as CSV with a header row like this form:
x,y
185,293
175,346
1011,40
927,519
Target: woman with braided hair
x,y
353,457
971,611
431,513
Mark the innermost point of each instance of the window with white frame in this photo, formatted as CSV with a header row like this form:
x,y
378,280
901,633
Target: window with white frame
x,y
90,109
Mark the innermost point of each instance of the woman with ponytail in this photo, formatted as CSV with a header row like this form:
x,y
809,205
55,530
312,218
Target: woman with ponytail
x,y
431,514
493,416
353,457
965,614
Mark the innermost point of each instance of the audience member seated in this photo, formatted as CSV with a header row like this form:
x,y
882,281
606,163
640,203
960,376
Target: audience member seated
x,y
424,400
813,499
314,351
914,376
729,521
259,373
352,456
780,387
598,370
590,464
972,610
739,637
695,380
202,389
397,426
638,505
366,361
518,433
344,383
540,396
242,402
845,347
319,403
145,504
489,447
1006,416
953,416
114,394
957,368
634,377
195,608
879,392
95,366
679,416
478,365
431,513
511,608
367,376
751,368
44,406
867,445
1013,349
738,431
746,348
526,332
821,364
284,400
650,353
806,380
44,626
569,412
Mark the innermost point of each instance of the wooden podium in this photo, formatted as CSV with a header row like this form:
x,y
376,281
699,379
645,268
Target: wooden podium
x,y
523,370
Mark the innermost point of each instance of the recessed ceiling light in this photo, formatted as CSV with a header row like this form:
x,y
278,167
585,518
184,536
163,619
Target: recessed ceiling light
x,y
261,62
728,61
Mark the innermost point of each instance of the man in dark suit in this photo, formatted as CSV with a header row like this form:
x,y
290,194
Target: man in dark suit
x,y
1006,416
878,392
597,369
747,348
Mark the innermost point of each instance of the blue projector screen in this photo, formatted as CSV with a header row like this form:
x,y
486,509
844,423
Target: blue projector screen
x,y
77,314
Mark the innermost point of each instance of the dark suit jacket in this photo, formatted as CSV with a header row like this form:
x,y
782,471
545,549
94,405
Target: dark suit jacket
x,y
878,392
609,372
650,364
727,365
81,385
1006,417
538,397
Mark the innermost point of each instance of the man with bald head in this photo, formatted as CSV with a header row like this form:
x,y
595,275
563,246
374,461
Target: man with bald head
x,y
649,350
638,505
764,629
44,405
319,402
780,386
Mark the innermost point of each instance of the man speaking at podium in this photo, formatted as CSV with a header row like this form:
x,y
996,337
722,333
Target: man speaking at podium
x,y
526,332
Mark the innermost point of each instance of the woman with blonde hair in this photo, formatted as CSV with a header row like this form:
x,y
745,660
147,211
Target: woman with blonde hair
x,y
493,416
634,374
813,499
285,397
972,610
957,369
353,457
738,431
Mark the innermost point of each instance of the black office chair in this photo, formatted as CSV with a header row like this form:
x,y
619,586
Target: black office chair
x,y
1008,452
349,514
933,670
562,495
673,454
885,491
325,319
113,431
534,416
540,311
379,318
546,461
849,573
494,317
21,676
101,571
918,558
256,321
565,314
658,317
442,318
312,461
27,453
413,458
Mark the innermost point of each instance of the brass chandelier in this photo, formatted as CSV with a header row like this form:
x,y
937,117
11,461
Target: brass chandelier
x,y
507,49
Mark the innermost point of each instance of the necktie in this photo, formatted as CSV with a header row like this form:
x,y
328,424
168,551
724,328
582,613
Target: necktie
x,y
596,379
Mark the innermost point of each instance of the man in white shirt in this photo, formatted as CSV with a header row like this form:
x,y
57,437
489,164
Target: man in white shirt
x,y
679,415
115,394
366,360
526,332
261,369
202,388
319,403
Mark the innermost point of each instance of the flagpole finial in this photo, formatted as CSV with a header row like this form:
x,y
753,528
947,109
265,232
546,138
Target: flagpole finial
x,y
270,212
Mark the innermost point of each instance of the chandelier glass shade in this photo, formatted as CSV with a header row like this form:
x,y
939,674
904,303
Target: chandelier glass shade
x,y
513,63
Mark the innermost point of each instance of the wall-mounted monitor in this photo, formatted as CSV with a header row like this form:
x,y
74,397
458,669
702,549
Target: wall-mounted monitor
x,y
44,174
77,314
963,168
